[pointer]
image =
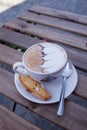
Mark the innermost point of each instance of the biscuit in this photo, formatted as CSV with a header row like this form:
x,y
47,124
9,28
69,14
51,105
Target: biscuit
x,y
34,87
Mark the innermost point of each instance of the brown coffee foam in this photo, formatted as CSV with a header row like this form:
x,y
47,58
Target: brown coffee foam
x,y
34,58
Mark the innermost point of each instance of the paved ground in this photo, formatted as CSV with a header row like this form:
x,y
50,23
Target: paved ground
x,y
10,9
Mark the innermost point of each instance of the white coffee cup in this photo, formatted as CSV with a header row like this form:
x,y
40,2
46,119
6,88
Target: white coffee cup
x,y
42,61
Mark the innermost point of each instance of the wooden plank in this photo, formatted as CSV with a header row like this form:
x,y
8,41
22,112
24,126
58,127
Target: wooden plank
x,y
59,14
7,87
78,58
77,115
11,121
55,22
25,27
16,38
11,56
81,89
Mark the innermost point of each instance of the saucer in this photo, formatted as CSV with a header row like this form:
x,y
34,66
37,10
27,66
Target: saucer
x,y
54,87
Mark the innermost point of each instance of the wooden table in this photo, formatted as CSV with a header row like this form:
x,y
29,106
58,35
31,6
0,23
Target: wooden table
x,y
35,25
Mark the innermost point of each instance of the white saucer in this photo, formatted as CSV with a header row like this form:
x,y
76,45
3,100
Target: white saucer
x,y
54,87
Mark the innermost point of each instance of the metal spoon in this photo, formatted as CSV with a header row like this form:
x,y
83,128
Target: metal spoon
x,y
66,74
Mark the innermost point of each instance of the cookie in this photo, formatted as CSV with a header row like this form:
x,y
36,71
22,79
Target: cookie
x,y
34,87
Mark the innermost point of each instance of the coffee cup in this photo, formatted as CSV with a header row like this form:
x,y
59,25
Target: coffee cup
x,y
42,61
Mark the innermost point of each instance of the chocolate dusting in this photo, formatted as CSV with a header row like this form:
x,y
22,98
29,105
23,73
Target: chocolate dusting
x,y
43,61
43,54
41,46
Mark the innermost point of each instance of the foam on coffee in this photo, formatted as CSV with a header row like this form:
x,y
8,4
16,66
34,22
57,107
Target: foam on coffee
x,y
45,57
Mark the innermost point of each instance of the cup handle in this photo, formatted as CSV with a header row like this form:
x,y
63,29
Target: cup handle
x,y
19,68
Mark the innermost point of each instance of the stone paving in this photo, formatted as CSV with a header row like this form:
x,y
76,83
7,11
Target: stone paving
x,y
9,9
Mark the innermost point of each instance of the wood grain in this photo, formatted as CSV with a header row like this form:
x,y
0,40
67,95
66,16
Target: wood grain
x,y
27,28
10,121
74,114
18,33
17,38
77,57
9,55
55,22
81,88
59,14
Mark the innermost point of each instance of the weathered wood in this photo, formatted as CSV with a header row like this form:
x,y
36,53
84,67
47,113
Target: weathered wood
x,y
25,27
60,14
55,22
78,58
7,87
16,38
11,56
11,121
74,114
81,88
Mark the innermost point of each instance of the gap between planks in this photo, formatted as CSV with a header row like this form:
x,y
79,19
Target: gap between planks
x,y
16,56
11,121
23,41
55,23
22,26
59,14
76,114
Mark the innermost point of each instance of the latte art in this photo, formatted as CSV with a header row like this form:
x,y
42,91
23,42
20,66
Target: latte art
x,y
45,57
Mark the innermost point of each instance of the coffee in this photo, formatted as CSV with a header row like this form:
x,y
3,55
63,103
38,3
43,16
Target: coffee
x,y
45,57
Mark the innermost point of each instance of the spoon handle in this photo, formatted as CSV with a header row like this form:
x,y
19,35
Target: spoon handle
x,y
61,103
